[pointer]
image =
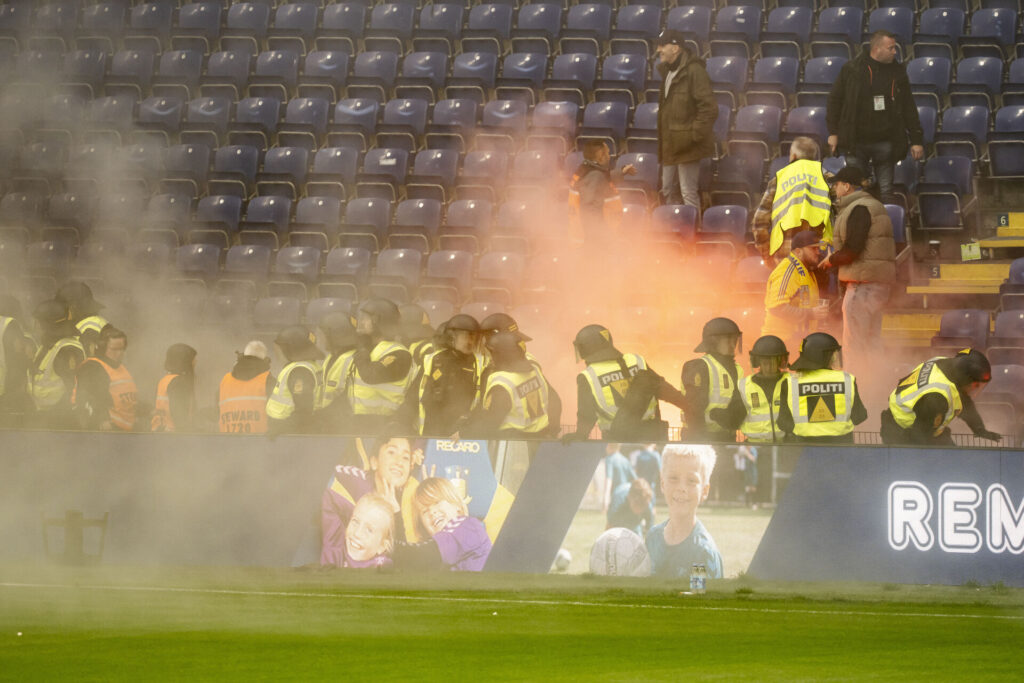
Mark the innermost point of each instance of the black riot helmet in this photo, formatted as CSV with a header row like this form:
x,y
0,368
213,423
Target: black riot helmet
x,y
383,316
51,313
816,352
767,349
339,330
460,322
414,323
718,327
298,343
593,344
501,322
78,296
972,366
508,352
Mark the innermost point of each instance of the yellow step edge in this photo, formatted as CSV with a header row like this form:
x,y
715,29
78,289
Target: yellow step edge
x,y
960,289
1010,230
974,271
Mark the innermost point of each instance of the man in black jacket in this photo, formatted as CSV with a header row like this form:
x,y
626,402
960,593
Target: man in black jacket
x,y
871,112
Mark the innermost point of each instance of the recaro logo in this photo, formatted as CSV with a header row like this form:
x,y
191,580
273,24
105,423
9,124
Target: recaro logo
x,y
915,519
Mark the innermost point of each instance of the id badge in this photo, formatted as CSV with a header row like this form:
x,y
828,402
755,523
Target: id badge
x,y
879,102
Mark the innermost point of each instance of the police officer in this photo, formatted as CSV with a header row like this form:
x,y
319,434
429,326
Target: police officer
x,y
755,406
16,351
84,312
448,385
415,332
924,402
105,395
340,333
710,381
383,368
618,392
821,403
299,389
242,395
53,370
517,401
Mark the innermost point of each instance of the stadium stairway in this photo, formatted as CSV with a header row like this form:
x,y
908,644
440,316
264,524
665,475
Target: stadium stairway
x,y
951,285
909,329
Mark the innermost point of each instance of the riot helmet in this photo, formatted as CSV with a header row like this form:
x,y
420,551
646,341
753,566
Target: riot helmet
x,y
340,331
501,322
816,352
594,343
717,329
298,343
769,353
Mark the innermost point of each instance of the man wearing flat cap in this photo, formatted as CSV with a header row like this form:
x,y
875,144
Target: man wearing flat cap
x,y
865,254
686,114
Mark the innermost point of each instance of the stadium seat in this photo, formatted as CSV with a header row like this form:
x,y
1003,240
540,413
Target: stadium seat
x,y
636,27
255,121
246,27
483,175
317,222
131,72
992,30
266,221
433,174
473,76
234,170
538,26
246,263
467,225
678,220
333,173
198,26
964,132
317,308
186,167
786,32
723,225
488,28
423,75
896,20
938,33
623,78
728,78
979,81
161,115
354,123
452,125
391,27
294,27
1005,146
929,79
227,75
503,125
383,174
272,314
522,75
324,75
366,223
85,70
774,81
572,77
295,270
275,76
415,225
206,121
553,126
448,275
216,220
149,26
694,22
305,123
587,27
440,28
963,327
736,28
341,27
604,121
756,131
346,270
819,75
946,193
403,124
178,73
201,261
284,172
500,275
397,274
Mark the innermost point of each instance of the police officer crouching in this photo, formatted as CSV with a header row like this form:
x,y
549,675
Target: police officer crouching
x,y
755,407
618,392
924,402
383,368
517,400
299,387
340,334
448,384
821,403
710,381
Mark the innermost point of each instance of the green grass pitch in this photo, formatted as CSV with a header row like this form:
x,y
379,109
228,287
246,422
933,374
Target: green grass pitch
x,y
247,624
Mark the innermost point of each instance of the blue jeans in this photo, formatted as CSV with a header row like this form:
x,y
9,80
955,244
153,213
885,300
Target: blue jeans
x,y
679,184
875,157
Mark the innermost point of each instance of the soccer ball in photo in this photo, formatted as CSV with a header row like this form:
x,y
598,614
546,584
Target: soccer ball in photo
x,y
562,560
620,552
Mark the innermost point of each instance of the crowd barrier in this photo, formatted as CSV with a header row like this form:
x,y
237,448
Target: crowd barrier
x,y
862,513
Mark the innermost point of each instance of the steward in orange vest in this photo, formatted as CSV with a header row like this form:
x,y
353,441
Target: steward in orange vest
x,y
105,395
175,394
243,393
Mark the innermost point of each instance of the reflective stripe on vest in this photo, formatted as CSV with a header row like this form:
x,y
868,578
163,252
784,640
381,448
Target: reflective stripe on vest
x,y
384,398
607,382
47,387
4,324
801,194
243,404
529,394
808,402
93,323
759,426
927,378
161,421
281,404
420,349
428,367
123,395
720,390
336,376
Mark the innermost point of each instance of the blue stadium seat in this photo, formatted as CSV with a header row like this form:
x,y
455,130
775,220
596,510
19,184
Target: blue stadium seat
x,y
677,219
929,122
346,264
636,27
216,220
786,32
276,75
605,121
587,27
642,187
85,70
979,80
391,26
373,75
532,173
266,221
992,30
274,313
736,29
572,77
433,174
423,75
247,262
440,28
522,75
131,71
473,76
102,25
206,121
538,26
333,173
500,276
756,131
448,276
819,75
728,78
642,135
366,223
354,123
168,212
694,22
838,28
341,27
317,308
416,224
467,225
246,27
403,124
896,20
929,79
503,125
723,225
898,218
483,174
383,175
938,33
284,172
227,75
305,123
294,27
198,26
774,81
149,26
553,126
160,114
255,121
178,73
295,269
200,261
964,132
946,193
1006,143
623,78
324,74
809,121
962,327
452,124
187,166
487,29
317,222
396,275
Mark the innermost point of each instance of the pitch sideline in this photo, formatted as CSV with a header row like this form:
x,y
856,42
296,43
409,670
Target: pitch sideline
x,y
505,601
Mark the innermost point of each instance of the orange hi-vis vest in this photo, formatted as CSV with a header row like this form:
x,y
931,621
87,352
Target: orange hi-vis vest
x,y
123,395
162,420
612,209
243,404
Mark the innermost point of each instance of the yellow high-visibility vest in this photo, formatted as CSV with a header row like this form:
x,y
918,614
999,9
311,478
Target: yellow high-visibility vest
x,y
720,391
927,378
529,394
801,194
281,404
608,385
821,402
759,426
384,398
336,376
47,387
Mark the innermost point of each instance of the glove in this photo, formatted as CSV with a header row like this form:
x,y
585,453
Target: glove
x,y
572,437
988,435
